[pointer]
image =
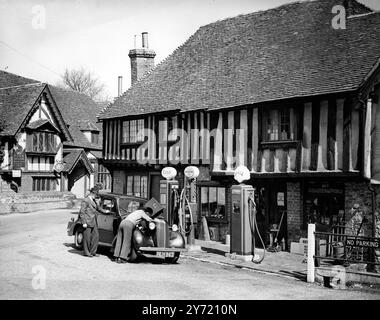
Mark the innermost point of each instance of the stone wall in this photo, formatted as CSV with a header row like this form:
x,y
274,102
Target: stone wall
x,y
23,202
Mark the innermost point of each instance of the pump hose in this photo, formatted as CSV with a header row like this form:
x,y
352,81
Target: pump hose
x,y
252,227
181,211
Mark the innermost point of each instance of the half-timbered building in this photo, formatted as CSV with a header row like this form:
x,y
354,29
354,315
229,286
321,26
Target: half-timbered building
x,y
280,91
49,138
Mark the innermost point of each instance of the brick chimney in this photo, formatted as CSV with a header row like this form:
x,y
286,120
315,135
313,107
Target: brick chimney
x,y
142,60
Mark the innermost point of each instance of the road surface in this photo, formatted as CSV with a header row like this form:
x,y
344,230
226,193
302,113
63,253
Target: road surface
x,y
38,261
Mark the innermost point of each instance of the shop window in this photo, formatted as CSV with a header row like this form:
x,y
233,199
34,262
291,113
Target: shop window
x,y
280,124
44,184
137,186
324,204
213,203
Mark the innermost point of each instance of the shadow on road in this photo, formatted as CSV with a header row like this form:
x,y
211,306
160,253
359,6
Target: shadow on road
x,y
296,274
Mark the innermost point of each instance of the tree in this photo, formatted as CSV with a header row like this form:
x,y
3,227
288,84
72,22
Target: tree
x,y
83,81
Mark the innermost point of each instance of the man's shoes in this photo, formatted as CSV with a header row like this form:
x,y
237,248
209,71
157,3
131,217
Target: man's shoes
x,y
88,255
120,260
95,255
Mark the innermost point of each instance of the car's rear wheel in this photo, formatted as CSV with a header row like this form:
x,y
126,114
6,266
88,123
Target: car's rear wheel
x,y
78,239
173,259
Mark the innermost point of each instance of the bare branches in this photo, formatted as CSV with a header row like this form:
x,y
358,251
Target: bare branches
x,y
83,81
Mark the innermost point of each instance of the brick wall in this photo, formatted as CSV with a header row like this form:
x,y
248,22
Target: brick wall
x,y
294,211
358,193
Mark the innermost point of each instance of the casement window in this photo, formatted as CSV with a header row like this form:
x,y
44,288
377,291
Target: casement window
x,y
280,124
137,185
213,202
104,177
41,142
44,184
132,131
39,163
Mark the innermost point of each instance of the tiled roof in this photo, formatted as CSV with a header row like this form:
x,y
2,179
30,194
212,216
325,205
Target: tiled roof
x,y
80,140
290,51
11,80
15,104
71,159
39,123
18,95
77,108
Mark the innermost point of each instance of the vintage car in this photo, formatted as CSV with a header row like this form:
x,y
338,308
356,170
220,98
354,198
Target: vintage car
x,y
157,238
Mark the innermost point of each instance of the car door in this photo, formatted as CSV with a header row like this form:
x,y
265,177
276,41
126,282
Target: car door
x,y
106,220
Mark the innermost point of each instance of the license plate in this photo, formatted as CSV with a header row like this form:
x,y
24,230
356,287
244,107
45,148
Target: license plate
x,y
165,254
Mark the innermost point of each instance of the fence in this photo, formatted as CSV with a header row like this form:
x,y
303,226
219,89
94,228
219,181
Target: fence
x,y
341,248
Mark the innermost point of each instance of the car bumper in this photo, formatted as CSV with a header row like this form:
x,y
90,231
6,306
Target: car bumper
x,y
160,249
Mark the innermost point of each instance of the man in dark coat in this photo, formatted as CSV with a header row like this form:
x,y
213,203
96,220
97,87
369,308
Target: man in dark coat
x,y
88,213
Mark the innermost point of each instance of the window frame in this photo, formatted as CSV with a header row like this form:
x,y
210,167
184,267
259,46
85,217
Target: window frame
x,y
130,130
131,185
276,119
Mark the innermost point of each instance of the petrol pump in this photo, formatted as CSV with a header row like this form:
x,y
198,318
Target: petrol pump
x,y
243,217
169,196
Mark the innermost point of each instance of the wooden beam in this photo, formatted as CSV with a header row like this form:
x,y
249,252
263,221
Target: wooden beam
x,y
355,131
331,134
218,144
242,139
195,140
306,138
255,140
347,134
228,141
315,135
339,135
322,146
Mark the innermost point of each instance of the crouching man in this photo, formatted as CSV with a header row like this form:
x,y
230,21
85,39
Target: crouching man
x,y
124,235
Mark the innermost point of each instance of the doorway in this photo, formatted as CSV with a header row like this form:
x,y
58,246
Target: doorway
x,y
155,186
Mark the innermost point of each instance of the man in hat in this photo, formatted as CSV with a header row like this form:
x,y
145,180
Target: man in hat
x,y
124,235
88,215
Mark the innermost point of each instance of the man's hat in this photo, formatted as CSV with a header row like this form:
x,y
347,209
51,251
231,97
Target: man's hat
x,y
95,189
155,206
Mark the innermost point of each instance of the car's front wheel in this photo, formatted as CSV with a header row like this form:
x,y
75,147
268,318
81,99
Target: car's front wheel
x,y
78,239
173,259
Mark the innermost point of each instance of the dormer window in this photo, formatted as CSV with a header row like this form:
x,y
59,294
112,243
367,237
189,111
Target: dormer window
x,y
94,137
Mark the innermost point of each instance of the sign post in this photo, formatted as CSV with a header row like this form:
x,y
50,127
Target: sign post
x,y
310,252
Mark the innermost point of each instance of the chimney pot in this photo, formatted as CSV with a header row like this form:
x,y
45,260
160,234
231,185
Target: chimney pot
x,y
119,86
145,40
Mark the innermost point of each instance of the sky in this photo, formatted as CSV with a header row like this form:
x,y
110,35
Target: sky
x,y
40,38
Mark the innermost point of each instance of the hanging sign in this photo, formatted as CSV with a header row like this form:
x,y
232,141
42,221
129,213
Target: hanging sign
x,y
191,172
58,166
16,173
169,173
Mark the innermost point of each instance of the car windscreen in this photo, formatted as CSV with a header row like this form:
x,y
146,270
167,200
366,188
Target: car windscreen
x,y
127,206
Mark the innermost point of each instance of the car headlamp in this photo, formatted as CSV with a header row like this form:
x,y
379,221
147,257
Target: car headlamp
x,y
152,225
174,227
